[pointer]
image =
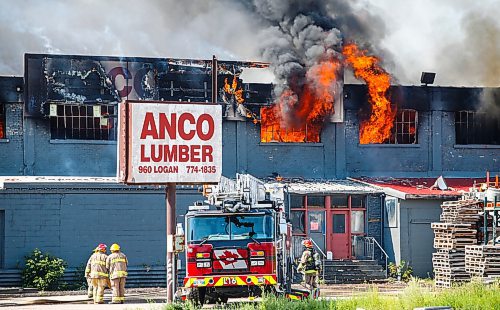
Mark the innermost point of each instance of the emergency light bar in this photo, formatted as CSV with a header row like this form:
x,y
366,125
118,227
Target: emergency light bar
x,y
198,207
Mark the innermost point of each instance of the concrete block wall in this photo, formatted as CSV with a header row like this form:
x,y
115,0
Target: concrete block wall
x,y
464,160
44,156
70,223
374,220
395,160
11,148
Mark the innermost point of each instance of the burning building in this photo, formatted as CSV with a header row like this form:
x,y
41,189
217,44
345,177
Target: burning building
x,y
61,121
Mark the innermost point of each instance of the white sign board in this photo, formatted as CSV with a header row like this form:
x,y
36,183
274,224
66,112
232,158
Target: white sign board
x,y
173,143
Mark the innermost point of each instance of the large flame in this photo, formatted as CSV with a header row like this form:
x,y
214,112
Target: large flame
x,y
300,117
234,89
377,128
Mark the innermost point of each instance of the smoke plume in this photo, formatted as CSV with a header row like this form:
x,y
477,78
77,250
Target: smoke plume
x,y
155,28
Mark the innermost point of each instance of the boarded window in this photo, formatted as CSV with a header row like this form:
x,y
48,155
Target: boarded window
x,y
476,128
83,122
2,121
405,127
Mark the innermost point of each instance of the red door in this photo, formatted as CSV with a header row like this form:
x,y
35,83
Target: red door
x,y
340,235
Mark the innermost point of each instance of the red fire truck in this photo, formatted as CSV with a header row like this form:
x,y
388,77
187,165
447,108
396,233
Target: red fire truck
x,y
239,245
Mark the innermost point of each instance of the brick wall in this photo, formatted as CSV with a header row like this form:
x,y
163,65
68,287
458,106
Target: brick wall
x,y
70,223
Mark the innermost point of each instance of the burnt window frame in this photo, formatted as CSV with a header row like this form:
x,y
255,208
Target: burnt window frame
x,y
273,133
88,126
474,128
400,133
3,122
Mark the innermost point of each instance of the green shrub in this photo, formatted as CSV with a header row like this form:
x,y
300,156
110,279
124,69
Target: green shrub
x,y
43,271
401,272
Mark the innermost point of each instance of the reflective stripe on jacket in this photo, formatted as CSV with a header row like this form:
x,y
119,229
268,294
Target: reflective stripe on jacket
x,y
117,265
98,266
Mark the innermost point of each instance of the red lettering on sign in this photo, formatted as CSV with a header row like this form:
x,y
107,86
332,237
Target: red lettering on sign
x,y
149,126
176,125
206,151
182,119
169,127
176,153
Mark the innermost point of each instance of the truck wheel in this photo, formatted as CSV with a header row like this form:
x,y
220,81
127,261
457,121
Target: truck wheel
x,y
223,299
197,296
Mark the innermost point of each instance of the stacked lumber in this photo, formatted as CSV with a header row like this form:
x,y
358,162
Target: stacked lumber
x,y
453,236
449,267
482,260
461,211
456,231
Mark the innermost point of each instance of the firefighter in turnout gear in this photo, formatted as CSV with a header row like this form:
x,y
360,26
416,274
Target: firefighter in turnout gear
x,y
117,265
310,265
98,273
87,276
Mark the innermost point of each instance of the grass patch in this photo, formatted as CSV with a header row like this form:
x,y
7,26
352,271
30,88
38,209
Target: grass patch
x,y
473,295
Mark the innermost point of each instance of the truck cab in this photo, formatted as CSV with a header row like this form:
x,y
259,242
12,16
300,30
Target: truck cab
x,y
230,254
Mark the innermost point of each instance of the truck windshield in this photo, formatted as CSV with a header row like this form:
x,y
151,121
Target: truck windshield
x,y
230,227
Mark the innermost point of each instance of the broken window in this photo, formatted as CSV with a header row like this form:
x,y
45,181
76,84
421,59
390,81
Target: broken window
x,y
83,122
2,121
275,133
404,130
473,127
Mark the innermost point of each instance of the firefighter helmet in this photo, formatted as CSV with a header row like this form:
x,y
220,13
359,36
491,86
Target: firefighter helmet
x,y
114,247
102,247
307,243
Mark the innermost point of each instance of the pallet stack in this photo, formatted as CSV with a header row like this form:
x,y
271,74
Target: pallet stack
x,y
457,229
461,212
482,260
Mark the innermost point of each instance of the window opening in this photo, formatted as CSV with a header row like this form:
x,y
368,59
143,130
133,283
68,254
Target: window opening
x,y
83,122
476,128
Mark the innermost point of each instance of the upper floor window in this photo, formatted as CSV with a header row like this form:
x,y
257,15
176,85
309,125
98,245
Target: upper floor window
x,y
476,128
83,122
275,133
2,121
404,130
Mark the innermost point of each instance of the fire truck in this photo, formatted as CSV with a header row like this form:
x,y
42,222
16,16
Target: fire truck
x,y
239,244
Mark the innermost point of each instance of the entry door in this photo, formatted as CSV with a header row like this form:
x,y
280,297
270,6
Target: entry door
x,y
340,235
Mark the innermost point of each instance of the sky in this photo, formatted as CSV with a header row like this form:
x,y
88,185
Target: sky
x,y
457,39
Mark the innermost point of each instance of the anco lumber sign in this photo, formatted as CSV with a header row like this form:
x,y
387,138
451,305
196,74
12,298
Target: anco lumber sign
x,y
170,142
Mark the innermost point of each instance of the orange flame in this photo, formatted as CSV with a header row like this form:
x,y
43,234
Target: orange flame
x,y
300,117
234,89
377,128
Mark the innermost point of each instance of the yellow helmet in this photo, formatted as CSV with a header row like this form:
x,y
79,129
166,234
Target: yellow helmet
x,y
115,247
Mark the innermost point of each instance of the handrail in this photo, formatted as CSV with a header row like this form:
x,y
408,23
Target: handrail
x,y
382,250
324,257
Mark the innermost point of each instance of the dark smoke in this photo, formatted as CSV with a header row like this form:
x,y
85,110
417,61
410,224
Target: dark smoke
x,y
302,33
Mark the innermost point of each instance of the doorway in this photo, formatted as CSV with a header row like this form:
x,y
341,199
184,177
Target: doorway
x,y
340,244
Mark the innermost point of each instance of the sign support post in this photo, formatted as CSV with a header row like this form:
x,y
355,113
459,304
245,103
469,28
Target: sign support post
x,y
170,192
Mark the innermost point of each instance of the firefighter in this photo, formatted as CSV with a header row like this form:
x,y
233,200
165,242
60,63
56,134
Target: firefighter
x,y
98,273
87,276
310,265
117,265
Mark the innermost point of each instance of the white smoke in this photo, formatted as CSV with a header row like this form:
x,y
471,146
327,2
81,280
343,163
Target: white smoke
x,y
155,28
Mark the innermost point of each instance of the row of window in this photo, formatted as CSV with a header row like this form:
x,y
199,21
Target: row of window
x,y
98,122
